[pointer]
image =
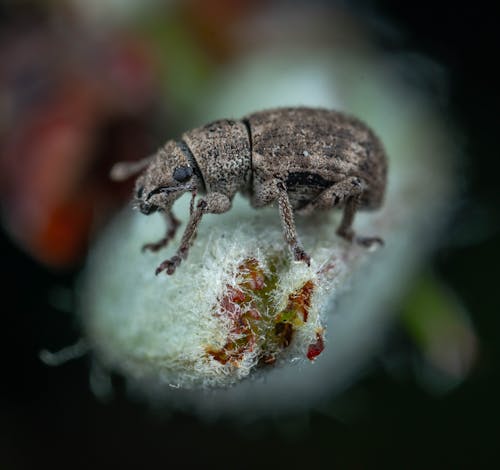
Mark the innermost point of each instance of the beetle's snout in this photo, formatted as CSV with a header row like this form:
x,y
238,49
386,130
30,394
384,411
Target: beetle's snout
x,y
147,209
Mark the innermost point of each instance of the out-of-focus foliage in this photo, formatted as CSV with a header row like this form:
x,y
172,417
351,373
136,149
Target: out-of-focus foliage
x,y
442,331
73,101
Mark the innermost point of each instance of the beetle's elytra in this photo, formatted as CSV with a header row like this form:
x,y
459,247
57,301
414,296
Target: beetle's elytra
x,y
305,159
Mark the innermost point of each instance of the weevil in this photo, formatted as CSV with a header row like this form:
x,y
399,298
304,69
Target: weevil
x,y
304,159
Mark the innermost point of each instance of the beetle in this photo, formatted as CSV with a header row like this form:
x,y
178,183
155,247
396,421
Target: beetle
x,y
305,159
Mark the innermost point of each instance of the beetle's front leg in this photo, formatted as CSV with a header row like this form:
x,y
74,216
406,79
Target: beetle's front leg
x,y
214,203
172,225
288,224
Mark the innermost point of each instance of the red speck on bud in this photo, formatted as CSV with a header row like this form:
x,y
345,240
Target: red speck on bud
x,y
316,348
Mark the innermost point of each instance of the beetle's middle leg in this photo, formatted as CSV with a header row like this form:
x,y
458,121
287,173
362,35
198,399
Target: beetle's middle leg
x,y
288,223
214,203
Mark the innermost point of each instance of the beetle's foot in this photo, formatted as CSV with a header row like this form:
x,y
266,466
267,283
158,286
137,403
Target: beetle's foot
x,y
169,265
300,255
369,242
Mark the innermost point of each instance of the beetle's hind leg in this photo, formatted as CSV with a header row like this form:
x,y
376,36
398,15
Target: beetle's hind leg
x,y
345,228
351,205
334,196
346,193
172,226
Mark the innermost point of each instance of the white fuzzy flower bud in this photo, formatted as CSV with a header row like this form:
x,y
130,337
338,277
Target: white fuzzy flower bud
x,y
238,307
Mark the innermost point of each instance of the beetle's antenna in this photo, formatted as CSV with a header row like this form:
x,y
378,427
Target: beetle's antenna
x,y
124,170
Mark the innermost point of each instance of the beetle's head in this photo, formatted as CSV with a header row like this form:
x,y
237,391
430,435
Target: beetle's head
x,y
168,176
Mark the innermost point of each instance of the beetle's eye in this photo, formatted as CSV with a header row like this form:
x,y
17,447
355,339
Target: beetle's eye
x,y
182,173
140,192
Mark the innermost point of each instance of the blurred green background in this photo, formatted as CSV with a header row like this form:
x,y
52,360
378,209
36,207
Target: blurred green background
x,y
86,83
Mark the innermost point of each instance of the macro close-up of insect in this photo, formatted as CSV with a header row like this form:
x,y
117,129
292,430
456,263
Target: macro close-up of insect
x,y
242,226
304,159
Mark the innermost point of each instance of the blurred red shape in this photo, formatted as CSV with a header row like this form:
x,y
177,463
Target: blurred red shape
x,y
72,108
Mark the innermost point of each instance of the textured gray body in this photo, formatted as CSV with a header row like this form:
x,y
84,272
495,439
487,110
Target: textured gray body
x,y
311,149
305,159
222,152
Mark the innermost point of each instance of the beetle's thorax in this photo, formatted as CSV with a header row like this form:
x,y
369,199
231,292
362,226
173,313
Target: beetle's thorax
x,y
222,152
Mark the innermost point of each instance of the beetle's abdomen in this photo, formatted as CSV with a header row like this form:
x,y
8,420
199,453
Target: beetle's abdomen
x,y
314,148
222,152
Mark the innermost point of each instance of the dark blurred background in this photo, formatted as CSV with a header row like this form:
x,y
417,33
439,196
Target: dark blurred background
x,y
82,86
